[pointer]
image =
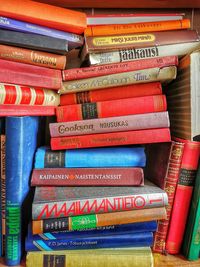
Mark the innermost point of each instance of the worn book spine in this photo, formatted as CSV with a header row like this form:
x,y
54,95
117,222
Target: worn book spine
x,y
91,158
21,136
124,55
109,43
34,41
92,221
26,110
113,93
53,17
110,124
111,139
102,257
25,95
104,30
139,227
191,241
32,57
170,183
113,108
3,188
119,79
144,239
88,177
25,74
183,196
96,71
73,40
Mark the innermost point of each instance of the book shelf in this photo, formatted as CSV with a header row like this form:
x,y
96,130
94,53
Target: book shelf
x,y
190,8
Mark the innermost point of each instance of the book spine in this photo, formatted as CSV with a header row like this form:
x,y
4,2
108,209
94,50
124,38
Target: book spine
x,y
107,257
139,227
170,183
191,241
137,27
53,17
91,158
32,57
25,95
3,188
26,110
74,40
34,41
60,209
111,124
111,139
29,75
92,221
119,79
114,93
109,43
113,108
124,55
144,239
96,71
183,196
88,177
21,136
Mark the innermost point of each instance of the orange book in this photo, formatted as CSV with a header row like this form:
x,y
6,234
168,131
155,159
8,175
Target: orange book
x,y
44,14
137,27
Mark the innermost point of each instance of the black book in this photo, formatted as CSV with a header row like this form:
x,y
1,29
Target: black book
x,y
34,41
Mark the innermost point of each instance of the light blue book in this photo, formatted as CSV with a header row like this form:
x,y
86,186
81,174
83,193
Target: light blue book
x,y
131,156
74,40
21,141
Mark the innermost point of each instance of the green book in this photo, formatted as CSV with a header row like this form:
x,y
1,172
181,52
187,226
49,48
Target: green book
x,y
191,242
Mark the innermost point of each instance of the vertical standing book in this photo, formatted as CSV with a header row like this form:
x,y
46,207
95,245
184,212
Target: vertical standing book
x,y
21,141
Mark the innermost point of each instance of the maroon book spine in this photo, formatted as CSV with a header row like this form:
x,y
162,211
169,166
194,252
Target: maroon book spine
x,y
30,75
88,177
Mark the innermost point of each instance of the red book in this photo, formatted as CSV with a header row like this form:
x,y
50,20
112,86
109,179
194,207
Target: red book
x,y
82,73
113,108
183,195
87,177
111,139
129,91
26,95
167,158
30,75
43,14
26,110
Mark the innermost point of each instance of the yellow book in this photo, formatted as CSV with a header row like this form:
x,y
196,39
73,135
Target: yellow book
x,y
126,257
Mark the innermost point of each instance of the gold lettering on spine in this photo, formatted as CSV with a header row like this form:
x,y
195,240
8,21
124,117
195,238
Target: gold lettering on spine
x,y
42,59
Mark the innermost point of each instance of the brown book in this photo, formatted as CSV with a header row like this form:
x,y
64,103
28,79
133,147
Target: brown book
x,y
183,99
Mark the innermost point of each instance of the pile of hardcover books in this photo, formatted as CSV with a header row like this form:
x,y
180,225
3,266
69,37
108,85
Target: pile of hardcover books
x,y
101,190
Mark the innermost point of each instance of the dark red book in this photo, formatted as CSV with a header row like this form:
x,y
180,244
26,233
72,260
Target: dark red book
x,y
30,75
183,195
113,108
26,110
162,168
112,139
88,177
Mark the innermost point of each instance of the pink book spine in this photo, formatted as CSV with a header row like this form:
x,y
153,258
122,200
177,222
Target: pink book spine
x,y
111,124
88,72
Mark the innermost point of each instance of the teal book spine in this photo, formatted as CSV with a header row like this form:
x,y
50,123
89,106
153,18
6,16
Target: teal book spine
x,y
21,143
127,156
191,242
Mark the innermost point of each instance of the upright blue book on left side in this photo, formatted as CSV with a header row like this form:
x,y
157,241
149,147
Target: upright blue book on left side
x,y
21,142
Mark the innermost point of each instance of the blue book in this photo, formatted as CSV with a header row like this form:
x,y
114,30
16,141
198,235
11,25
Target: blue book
x,y
21,142
91,157
74,40
131,228
144,239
